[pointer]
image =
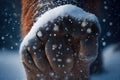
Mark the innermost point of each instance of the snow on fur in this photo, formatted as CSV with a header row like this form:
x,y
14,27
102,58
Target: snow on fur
x,y
60,11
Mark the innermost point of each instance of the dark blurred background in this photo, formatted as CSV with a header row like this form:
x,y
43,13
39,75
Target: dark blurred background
x,y
10,12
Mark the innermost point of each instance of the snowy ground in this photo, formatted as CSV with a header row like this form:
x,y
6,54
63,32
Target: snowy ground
x,y
111,65
11,67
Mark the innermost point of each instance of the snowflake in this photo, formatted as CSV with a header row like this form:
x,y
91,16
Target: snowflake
x,y
2,38
35,53
104,43
102,38
68,49
54,34
89,30
65,72
60,46
59,60
29,61
104,20
42,79
69,40
47,29
105,7
54,47
50,34
105,2
38,75
108,34
57,55
39,34
63,65
66,29
84,23
11,36
34,47
110,23
81,71
81,29
11,47
56,27
51,73
59,65
69,60
28,48
16,44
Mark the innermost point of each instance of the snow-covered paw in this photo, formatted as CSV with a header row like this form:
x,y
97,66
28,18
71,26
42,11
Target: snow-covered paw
x,y
56,42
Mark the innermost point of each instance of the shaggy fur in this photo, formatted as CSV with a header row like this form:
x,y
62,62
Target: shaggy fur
x,y
32,8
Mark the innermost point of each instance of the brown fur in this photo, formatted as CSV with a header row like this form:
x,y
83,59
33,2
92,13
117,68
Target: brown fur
x,y
30,10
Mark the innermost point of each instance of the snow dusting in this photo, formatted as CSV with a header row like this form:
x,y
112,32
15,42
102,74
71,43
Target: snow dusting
x,y
60,11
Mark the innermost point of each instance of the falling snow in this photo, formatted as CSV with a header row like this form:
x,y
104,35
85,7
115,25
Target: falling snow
x,y
39,34
104,20
54,34
2,38
105,7
54,47
51,74
38,75
54,59
104,43
84,23
89,30
69,60
9,36
68,49
59,60
108,34
34,47
110,23
56,27
69,40
81,71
